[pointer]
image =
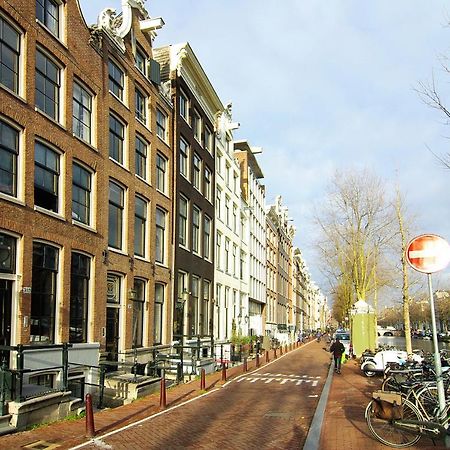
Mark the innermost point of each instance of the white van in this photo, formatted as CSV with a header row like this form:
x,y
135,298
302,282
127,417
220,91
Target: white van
x,y
344,337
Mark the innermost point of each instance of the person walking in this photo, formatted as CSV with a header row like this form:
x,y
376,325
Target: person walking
x,y
338,349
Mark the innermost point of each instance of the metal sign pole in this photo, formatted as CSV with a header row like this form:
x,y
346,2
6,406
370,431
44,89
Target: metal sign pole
x,y
437,357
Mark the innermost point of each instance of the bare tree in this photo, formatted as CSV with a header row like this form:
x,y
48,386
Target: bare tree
x,y
429,94
356,225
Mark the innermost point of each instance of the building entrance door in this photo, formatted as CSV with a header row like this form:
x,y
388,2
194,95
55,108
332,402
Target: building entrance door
x,y
5,318
112,333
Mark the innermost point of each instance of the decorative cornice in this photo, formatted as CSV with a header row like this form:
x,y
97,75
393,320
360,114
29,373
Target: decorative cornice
x,y
117,26
165,91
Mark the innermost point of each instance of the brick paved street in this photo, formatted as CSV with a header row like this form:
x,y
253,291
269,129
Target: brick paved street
x,y
270,408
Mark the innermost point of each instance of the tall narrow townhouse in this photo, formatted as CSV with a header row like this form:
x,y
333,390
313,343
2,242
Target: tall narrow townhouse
x,y
253,194
231,317
270,315
52,286
195,106
282,233
299,288
138,191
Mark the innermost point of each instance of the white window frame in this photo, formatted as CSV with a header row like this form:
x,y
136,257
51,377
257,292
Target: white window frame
x,y
61,20
184,106
91,194
164,234
197,172
162,125
196,230
61,179
144,176
124,140
20,60
160,324
19,180
124,216
122,95
144,56
207,182
92,121
219,250
146,235
60,107
208,144
185,228
207,242
197,126
161,174
141,117
184,156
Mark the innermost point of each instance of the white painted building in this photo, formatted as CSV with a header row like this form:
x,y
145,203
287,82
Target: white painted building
x,y
231,298
253,193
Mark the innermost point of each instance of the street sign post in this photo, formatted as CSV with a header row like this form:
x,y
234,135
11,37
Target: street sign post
x,y
429,253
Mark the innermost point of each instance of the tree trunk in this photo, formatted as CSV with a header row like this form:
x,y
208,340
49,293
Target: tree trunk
x,y
405,283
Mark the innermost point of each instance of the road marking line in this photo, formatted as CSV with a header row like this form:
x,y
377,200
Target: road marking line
x,y
131,425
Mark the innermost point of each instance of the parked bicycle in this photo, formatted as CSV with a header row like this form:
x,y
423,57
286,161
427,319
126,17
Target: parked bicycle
x,y
399,423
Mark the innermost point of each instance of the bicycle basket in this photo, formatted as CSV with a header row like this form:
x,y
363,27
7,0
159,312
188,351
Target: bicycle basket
x,y
387,405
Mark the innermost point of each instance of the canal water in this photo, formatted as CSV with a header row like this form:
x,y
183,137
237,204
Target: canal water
x,y
419,344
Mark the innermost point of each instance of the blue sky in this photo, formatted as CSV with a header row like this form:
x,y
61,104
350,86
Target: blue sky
x,y
326,85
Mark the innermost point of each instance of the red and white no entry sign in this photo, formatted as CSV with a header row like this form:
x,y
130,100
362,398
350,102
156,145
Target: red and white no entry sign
x,y
428,253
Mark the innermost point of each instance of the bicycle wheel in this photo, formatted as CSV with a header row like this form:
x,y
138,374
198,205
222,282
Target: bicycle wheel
x,y
385,430
390,384
427,401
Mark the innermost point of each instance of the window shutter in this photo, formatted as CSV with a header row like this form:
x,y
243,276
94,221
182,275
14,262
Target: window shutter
x,y
155,71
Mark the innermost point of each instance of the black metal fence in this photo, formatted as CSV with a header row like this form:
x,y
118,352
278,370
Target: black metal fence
x,y
186,351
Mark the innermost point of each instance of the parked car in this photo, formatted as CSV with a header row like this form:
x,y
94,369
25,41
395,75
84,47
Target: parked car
x,y
344,337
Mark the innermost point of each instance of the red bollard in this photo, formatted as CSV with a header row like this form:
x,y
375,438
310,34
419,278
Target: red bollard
x,y
281,350
267,357
257,360
274,353
162,393
224,373
202,379
286,348
90,429
245,368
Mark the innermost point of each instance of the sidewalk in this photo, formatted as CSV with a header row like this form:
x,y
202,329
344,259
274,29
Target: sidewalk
x,y
343,427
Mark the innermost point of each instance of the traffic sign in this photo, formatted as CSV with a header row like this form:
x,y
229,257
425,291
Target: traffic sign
x,y
428,253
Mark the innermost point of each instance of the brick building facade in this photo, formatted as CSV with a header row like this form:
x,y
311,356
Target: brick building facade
x,y
86,185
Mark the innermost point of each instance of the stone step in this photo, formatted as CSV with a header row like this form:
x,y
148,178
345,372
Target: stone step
x,y
5,427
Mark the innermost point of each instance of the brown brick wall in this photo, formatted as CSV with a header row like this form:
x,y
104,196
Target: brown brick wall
x,y
81,61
